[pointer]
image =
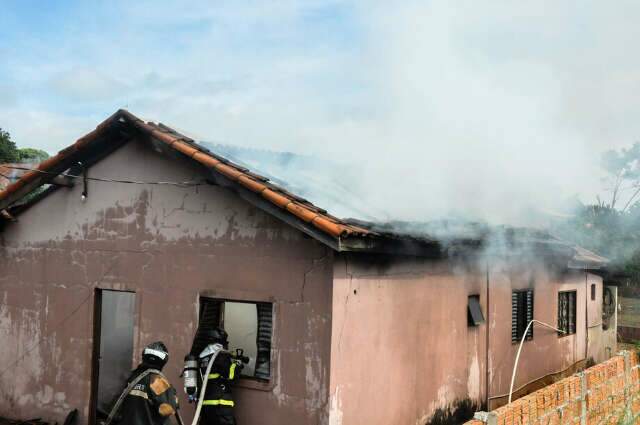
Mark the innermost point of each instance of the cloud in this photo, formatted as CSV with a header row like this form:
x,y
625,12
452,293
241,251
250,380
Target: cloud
x,y
485,109
87,85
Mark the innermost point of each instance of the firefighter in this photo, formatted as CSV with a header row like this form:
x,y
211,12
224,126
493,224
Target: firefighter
x,y
218,405
153,400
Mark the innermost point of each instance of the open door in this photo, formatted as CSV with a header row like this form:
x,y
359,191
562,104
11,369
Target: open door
x,y
112,348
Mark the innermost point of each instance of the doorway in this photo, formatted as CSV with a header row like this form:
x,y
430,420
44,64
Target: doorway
x,y
112,348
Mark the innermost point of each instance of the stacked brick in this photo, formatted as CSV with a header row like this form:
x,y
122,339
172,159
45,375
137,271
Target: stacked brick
x,y
607,393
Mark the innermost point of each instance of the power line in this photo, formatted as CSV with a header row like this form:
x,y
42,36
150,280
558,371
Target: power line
x,y
190,183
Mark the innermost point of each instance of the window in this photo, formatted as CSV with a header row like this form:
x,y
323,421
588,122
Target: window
x,y
567,312
593,292
249,326
474,312
521,314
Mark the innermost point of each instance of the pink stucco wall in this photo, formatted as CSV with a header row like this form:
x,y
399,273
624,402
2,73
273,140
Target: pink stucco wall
x,y
170,245
401,346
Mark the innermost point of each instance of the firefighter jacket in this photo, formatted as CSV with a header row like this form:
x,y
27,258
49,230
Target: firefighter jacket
x,y
150,402
218,392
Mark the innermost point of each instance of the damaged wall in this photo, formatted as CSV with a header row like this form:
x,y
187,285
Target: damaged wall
x,y
402,347
547,354
170,245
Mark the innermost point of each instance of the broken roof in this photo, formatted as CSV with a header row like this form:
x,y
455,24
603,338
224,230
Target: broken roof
x,y
11,172
340,234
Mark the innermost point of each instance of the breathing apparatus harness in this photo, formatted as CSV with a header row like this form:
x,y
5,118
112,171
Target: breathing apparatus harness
x,y
191,371
211,350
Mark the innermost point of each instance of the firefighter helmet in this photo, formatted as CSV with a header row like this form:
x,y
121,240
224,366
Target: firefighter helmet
x,y
218,336
155,354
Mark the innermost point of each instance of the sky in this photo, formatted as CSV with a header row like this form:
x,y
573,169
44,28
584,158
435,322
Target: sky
x,y
485,109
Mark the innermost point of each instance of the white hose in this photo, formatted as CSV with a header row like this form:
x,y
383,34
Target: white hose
x,y
196,417
126,391
524,336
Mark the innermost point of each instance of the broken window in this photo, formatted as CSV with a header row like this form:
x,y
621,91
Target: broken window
x,y
474,312
249,326
521,314
567,312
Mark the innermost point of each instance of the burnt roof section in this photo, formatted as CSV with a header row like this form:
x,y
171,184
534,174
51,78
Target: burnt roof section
x,y
433,239
124,126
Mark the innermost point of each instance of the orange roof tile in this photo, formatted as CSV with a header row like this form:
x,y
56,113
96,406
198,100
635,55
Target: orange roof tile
x,y
10,172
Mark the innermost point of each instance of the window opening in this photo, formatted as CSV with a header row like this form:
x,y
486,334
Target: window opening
x,y
250,327
521,314
474,312
567,313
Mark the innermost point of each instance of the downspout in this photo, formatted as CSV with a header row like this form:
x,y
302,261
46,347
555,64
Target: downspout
x,y
587,296
486,364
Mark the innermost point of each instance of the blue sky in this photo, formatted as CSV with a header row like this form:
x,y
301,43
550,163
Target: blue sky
x,y
77,62
473,104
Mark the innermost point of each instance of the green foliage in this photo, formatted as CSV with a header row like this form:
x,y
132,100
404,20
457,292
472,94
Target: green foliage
x,y
8,150
612,229
623,176
31,155
611,233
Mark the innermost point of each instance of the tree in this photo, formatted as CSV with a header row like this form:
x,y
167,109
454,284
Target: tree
x,y
623,168
612,228
10,153
8,150
31,155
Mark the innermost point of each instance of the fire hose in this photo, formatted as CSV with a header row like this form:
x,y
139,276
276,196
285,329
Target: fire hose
x,y
216,349
126,391
190,380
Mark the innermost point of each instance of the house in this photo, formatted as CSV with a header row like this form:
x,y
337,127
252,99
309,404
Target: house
x,y
142,235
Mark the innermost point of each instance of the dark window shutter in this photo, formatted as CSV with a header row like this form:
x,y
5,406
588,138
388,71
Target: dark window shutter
x,y
263,340
210,314
567,312
562,312
572,312
514,316
521,314
474,311
529,315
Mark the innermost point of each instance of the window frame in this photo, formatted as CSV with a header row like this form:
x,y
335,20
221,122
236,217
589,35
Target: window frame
x,y
473,300
244,381
573,308
528,313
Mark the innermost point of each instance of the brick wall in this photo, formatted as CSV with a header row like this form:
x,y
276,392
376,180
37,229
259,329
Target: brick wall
x,y
607,393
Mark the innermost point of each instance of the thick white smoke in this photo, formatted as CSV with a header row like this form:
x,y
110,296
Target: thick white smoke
x,y
486,110
479,109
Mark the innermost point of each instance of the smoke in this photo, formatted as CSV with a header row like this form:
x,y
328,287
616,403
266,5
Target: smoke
x,y
472,115
482,111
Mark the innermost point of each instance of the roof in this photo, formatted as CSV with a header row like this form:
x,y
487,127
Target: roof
x,y
587,259
422,239
11,172
332,182
123,122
